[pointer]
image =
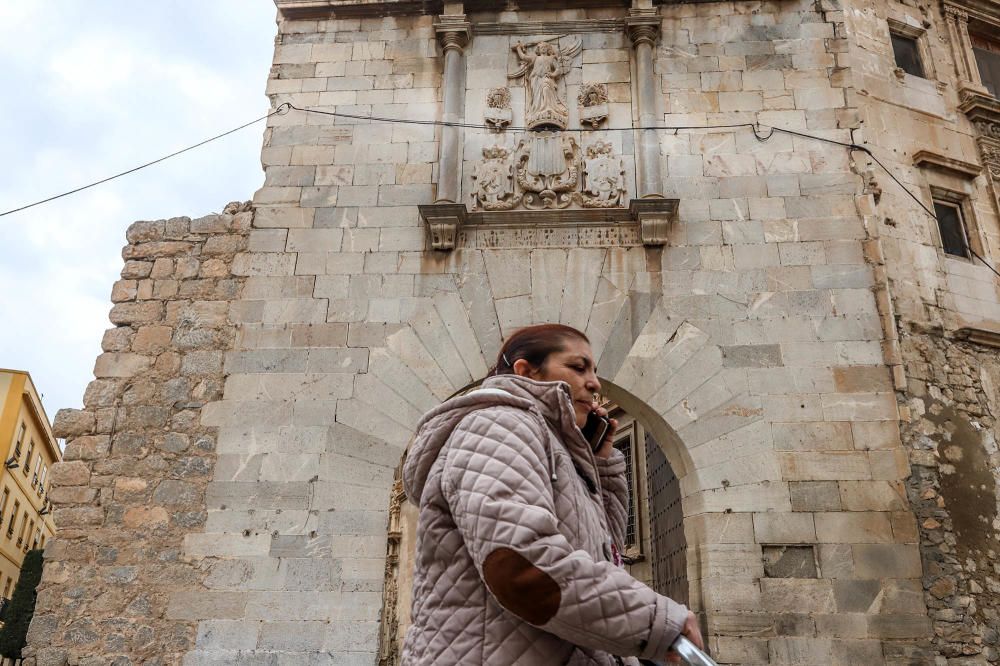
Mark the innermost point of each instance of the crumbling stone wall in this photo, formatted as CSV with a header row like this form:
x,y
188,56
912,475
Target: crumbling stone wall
x,y
953,396
116,588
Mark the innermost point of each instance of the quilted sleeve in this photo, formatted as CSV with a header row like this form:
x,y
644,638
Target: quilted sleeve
x,y
614,490
496,482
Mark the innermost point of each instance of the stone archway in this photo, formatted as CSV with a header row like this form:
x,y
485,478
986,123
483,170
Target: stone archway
x,y
663,369
657,504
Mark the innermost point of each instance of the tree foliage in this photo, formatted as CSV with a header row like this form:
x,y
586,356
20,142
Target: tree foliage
x,y
17,617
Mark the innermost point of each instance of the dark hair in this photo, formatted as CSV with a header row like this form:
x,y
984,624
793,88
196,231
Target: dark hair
x,y
534,344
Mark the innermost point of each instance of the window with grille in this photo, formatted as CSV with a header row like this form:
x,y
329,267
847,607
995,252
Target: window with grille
x,y
907,54
627,446
951,224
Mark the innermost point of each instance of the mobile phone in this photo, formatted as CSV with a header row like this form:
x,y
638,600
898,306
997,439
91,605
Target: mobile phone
x,y
595,430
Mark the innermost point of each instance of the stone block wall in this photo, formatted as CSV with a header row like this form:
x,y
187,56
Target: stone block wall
x,y
952,397
117,587
945,384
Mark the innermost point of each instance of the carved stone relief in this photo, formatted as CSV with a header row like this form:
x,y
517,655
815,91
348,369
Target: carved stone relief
x,y
543,66
593,104
494,181
498,113
546,171
603,177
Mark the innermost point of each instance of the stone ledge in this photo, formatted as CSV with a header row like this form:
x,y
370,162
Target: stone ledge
x,y
445,222
926,159
982,334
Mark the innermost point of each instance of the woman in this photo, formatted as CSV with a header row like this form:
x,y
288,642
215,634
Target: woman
x,y
521,523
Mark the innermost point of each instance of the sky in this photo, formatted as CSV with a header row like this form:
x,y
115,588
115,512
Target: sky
x,y
92,88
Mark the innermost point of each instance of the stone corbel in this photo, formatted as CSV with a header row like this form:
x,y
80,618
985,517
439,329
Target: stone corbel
x,y
443,221
656,217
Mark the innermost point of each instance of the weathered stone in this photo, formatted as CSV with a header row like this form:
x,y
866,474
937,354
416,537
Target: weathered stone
x,y
70,473
72,423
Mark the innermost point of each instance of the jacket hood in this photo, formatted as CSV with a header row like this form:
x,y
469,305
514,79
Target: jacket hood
x,y
548,400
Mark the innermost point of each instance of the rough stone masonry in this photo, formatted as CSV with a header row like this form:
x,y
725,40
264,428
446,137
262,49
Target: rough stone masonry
x,y
820,373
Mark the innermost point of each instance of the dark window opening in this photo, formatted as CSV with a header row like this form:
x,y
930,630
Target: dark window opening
x,y
907,54
987,54
952,228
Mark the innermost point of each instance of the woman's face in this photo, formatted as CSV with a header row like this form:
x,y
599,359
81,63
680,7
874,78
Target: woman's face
x,y
575,366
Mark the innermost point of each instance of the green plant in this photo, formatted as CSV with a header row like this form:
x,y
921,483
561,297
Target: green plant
x,y
13,635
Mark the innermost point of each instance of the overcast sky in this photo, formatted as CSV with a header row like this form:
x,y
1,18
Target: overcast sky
x,y
91,88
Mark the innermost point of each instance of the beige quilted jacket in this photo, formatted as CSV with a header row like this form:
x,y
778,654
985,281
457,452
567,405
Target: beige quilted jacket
x,y
518,528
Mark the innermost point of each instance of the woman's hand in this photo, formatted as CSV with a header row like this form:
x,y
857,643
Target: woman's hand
x,y
692,631
608,445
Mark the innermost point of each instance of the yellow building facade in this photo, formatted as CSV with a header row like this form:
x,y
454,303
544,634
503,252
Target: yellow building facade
x,y
29,451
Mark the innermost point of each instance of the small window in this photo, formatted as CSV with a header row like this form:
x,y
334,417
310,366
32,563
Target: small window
x,y
27,459
6,588
3,504
20,440
951,225
13,517
987,52
907,54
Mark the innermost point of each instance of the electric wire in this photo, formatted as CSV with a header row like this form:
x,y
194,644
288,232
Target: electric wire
x,y
285,107
279,111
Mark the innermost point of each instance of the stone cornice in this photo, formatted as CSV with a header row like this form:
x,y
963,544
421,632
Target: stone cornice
x,y
982,333
983,111
326,9
927,159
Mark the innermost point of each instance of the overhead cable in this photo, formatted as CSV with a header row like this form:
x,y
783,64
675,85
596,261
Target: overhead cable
x,y
284,108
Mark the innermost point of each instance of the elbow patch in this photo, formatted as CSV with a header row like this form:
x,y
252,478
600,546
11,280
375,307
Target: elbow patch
x,y
521,587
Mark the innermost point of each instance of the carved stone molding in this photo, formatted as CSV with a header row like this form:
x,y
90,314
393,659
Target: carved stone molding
x,y
443,221
549,27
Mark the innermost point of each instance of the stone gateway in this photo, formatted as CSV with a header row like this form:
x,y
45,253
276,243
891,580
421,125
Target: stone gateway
x,y
806,353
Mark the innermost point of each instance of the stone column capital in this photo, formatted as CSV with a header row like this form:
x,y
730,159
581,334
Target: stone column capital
x,y
953,13
643,26
453,31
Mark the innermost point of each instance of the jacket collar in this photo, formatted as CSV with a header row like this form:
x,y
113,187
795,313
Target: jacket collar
x,y
555,402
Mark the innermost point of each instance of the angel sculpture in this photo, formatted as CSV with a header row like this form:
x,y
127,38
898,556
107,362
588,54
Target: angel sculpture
x,y
542,70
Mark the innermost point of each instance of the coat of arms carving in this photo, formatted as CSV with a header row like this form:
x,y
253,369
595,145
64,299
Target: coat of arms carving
x,y
548,170
493,179
603,177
